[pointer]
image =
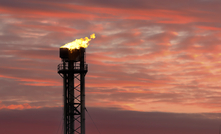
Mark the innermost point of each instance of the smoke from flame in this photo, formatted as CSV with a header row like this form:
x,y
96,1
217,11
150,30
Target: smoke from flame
x,y
78,43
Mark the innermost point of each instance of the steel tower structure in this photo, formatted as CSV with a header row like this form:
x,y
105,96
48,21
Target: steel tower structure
x,y
73,70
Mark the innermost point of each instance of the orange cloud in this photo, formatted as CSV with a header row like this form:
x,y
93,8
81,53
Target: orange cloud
x,y
19,106
33,82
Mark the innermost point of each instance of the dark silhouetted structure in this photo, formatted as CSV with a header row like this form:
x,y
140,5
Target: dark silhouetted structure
x,y
73,71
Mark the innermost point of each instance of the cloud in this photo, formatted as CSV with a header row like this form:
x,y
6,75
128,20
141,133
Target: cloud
x,y
109,120
148,55
154,122
30,121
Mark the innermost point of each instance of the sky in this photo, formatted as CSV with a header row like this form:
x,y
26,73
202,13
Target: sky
x,y
154,66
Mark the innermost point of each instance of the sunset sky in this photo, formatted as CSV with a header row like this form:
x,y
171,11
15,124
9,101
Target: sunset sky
x,y
154,66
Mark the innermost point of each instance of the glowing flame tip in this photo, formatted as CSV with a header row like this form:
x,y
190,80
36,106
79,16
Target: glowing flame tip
x,y
78,43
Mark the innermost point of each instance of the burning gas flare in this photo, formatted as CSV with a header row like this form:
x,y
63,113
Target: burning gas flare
x,y
78,43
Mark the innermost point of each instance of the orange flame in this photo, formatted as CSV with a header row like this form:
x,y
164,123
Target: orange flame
x,y
78,43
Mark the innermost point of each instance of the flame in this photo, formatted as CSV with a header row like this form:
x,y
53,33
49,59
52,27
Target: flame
x,y
78,43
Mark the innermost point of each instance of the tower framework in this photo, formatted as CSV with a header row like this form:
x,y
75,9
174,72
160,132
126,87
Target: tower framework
x,y
73,70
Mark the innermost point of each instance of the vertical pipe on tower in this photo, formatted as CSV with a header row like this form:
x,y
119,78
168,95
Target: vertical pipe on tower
x,y
82,82
65,96
71,95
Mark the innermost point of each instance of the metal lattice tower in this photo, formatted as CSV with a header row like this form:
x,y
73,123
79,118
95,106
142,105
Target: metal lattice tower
x,y
73,71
